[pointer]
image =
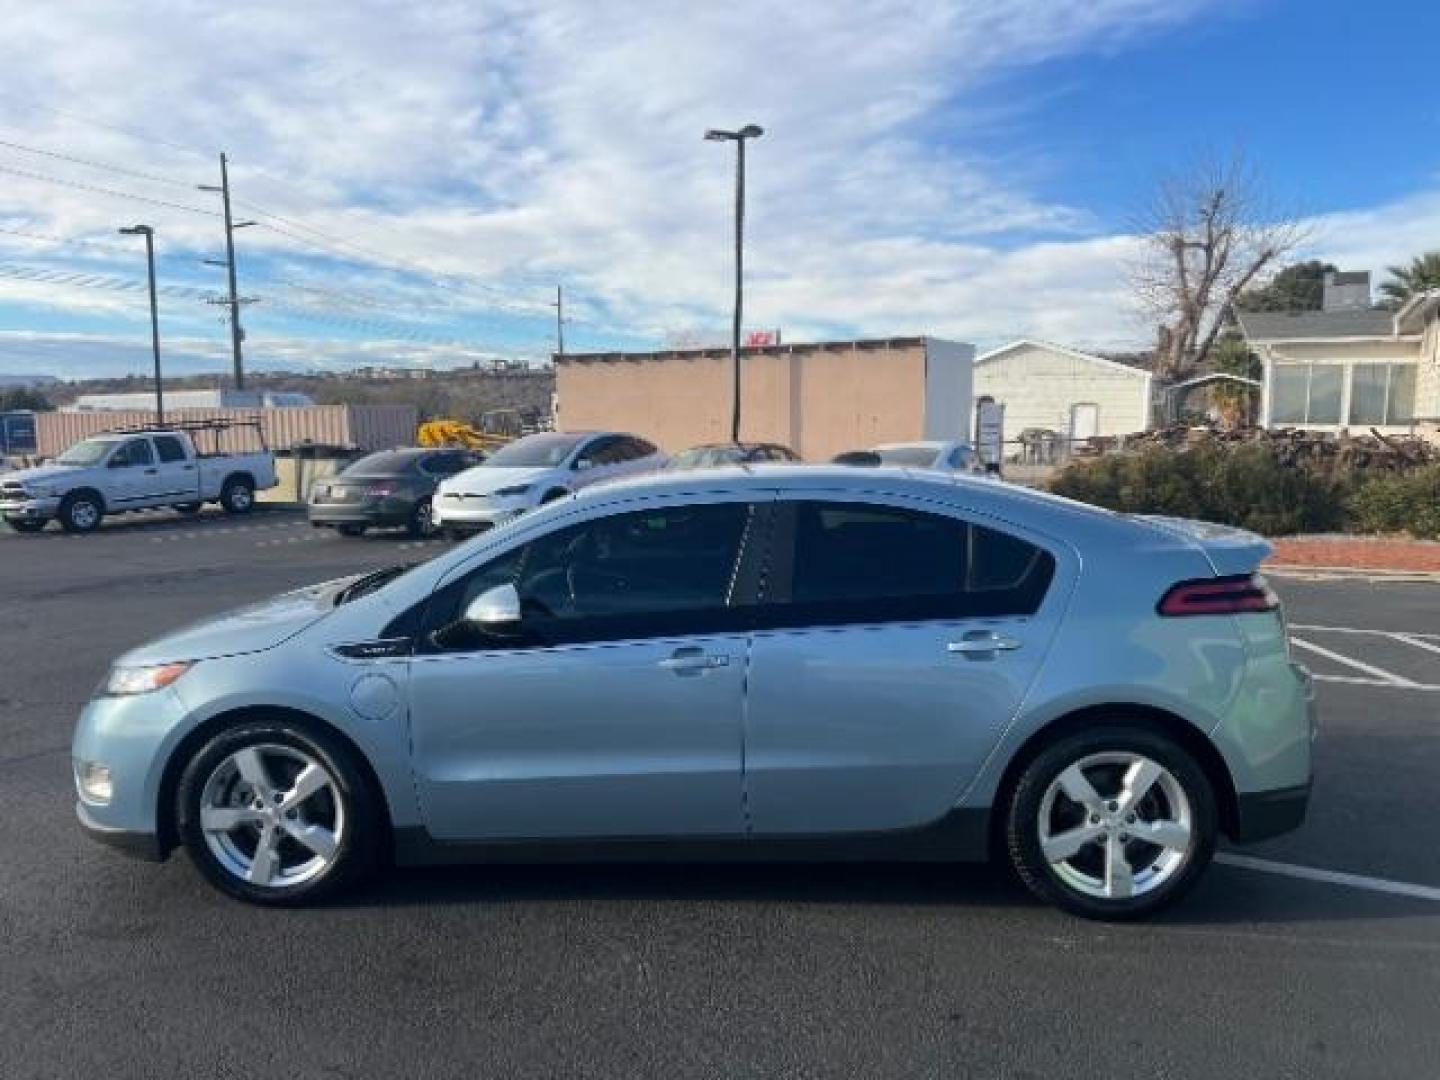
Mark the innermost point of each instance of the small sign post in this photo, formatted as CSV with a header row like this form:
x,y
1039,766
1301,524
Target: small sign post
x,y
990,432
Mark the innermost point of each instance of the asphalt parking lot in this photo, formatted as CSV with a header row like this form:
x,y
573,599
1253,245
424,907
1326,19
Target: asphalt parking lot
x,y
1318,954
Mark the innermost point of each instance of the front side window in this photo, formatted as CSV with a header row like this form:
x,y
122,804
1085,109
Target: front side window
x,y
646,573
863,563
134,452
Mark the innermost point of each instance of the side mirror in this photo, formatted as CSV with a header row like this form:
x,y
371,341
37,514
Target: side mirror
x,y
496,610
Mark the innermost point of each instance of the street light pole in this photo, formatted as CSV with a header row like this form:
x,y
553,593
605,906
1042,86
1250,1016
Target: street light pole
x,y
149,234
749,131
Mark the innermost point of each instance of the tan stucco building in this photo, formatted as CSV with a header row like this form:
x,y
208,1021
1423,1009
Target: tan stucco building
x,y
819,399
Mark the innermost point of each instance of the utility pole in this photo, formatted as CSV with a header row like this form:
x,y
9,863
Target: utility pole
x,y
237,335
749,131
149,234
559,307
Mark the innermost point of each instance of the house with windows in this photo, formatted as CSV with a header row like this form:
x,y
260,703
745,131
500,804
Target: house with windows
x,y
1348,365
1076,394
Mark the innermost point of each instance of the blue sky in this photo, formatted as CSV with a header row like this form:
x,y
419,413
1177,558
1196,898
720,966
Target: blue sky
x,y
423,175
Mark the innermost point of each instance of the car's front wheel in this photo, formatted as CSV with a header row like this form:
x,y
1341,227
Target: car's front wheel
x,y
277,813
1114,823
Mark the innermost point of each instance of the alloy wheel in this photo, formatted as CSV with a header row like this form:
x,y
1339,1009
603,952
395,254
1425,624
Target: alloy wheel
x,y
1115,825
271,816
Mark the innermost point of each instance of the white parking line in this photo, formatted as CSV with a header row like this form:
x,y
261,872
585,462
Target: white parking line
x,y
1329,877
1363,630
1385,677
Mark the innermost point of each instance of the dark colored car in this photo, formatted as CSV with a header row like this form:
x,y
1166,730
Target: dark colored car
x,y
392,488
713,454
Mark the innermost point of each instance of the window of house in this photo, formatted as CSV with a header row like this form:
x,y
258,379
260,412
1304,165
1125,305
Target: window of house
x,y
1306,393
1382,393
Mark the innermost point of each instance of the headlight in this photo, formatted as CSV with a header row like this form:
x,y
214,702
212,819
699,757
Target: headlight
x,y
143,680
508,492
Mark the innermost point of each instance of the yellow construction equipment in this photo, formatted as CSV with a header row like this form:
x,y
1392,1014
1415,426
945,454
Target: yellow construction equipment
x,y
458,433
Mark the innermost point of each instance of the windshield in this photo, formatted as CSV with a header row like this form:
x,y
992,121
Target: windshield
x,y
533,451
907,455
89,452
385,463
700,457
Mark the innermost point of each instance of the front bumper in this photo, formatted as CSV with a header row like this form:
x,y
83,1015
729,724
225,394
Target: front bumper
x,y
474,511
136,844
30,509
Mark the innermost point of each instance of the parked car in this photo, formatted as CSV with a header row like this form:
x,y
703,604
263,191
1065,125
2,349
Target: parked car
x,y
792,662
392,488
535,470
128,470
717,454
944,455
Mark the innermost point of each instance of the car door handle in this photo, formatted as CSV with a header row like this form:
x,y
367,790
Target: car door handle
x,y
683,661
983,641
188,468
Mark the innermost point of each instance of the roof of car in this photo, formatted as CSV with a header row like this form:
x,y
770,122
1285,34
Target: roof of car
x,y
984,495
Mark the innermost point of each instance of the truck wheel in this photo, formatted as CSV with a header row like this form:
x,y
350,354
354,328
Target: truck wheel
x,y
237,496
81,512
27,526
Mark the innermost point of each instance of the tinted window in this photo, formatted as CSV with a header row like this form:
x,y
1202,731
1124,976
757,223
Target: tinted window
x,y
169,448
447,464
135,452
535,451
639,448
609,450
961,457
916,456
853,562
640,574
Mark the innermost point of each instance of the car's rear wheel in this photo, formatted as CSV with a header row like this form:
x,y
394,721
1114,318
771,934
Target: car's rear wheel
x,y
1113,823
237,496
275,813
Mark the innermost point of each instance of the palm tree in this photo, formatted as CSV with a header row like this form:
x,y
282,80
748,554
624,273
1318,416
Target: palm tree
x,y
1421,275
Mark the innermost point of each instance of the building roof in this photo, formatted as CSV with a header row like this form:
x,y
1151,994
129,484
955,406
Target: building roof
x,y
749,350
1074,354
1316,325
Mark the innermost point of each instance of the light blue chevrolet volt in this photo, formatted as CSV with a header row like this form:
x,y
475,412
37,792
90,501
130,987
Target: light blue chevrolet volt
x,y
764,662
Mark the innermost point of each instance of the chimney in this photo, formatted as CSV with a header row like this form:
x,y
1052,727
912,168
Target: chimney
x,y
1346,290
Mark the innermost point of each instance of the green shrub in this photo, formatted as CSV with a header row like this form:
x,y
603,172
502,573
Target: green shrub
x,y
1399,502
1233,484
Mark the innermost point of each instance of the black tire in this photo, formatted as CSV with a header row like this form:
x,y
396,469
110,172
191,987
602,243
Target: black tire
x,y
553,494
190,507
421,524
363,837
27,526
351,530
1022,818
238,495
81,511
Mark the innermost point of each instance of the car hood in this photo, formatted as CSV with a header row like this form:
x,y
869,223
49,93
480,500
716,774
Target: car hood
x,y
486,480
249,629
41,473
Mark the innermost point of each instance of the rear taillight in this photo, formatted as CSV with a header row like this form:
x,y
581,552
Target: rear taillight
x,y
1219,596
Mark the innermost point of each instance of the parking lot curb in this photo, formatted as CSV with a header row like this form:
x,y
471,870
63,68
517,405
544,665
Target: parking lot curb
x,y
1307,572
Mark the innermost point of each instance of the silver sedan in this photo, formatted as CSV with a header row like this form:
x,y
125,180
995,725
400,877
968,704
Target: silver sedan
x,y
744,663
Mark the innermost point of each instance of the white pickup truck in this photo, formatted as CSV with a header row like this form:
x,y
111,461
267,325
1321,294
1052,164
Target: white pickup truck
x,y
118,471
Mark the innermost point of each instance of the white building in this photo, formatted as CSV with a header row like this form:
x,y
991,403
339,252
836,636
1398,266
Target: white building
x,y
1349,366
1052,388
192,399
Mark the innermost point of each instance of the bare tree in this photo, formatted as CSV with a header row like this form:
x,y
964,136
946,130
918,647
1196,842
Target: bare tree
x,y
1207,237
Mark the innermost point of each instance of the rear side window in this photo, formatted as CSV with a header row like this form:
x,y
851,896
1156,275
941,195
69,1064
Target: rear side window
x,y
863,563
169,448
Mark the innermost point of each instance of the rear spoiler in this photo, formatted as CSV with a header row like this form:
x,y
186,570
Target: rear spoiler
x,y
1230,551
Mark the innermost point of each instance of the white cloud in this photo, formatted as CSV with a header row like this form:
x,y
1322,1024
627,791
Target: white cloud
x,y
512,144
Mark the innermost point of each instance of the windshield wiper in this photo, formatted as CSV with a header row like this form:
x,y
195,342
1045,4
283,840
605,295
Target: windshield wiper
x,y
372,581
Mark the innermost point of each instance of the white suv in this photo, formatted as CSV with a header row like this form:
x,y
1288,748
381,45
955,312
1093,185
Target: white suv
x,y
535,470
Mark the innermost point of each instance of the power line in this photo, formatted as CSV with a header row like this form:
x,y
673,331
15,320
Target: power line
x,y
134,133
68,240
93,164
44,178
